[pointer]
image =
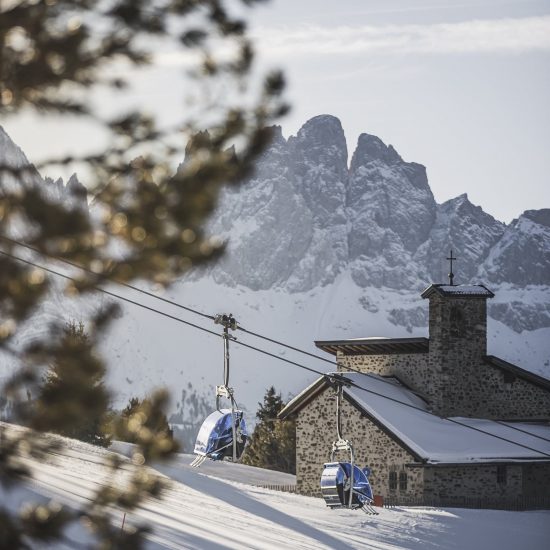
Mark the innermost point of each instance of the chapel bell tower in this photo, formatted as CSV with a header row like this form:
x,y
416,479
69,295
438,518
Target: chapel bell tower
x,y
458,340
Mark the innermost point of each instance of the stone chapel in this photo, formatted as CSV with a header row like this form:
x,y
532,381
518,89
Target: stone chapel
x,y
436,419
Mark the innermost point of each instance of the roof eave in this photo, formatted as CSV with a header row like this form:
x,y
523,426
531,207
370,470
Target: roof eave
x,y
303,398
525,375
437,288
485,461
370,346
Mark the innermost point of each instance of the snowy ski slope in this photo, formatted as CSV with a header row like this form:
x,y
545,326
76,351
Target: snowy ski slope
x,y
217,508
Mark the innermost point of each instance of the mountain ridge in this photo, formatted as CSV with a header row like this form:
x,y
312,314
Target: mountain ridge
x,y
376,217
322,249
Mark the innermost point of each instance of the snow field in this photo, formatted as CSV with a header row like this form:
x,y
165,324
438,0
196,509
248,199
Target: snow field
x,y
202,509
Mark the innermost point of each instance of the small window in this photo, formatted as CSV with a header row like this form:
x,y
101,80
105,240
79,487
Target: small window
x,y
402,481
501,475
393,481
457,322
508,379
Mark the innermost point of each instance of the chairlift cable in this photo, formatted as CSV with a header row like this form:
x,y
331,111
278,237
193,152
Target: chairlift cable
x,y
122,283
197,312
213,318
112,294
187,308
165,300
332,376
502,423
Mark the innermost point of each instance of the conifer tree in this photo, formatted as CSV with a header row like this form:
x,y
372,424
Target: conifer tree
x,y
77,370
54,55
156,420
273,443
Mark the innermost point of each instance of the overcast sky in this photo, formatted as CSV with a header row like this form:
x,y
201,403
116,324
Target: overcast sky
x,y
462,87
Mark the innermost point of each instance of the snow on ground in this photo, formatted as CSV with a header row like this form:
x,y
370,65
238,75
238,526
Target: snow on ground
x,y
202,509
219,469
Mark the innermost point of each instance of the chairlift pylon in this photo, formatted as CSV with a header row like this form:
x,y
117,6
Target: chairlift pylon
x,y
223,433
343,484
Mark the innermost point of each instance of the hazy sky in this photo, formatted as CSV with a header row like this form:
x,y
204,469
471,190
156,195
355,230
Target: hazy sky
x,y
462,87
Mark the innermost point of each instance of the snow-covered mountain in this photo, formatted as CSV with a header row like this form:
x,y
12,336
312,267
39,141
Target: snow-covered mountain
x,y
306,217
321,249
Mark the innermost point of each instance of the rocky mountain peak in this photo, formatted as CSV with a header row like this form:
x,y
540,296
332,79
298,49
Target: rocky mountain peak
x,y
304,217
541,217
390,201
461,207
10,154
319,158
12,157
322,130
277,137
459,200
76,195
371,148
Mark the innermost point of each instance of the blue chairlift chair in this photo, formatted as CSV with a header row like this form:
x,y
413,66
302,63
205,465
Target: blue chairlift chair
x,y
223,433
343,484
336,481
215,438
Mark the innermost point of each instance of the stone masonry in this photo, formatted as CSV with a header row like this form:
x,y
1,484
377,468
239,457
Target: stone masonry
x,y
498,398
455,377
316,431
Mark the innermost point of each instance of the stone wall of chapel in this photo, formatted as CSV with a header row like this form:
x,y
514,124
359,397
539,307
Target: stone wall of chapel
x,y
494,397
316,431
536,480
411,368
472,481
457,347
474,389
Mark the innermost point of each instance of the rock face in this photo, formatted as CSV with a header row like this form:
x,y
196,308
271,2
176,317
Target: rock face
x,y
464,228
305,217
12,159
522,255
287,226
391,210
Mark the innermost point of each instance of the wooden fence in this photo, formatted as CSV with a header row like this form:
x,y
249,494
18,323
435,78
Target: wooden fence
x,y
277,487
515,504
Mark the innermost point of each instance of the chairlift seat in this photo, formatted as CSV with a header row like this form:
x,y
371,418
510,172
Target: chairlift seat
x,y
335,485
215,437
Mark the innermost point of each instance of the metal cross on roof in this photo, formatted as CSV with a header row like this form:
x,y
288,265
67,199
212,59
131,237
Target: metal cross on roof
x,y
451,274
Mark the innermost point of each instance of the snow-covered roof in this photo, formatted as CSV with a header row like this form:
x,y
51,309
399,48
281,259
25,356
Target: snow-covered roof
x,y
458,290
430,438
440,440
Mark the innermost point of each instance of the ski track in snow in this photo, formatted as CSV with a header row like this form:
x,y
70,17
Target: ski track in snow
x,y
201,511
